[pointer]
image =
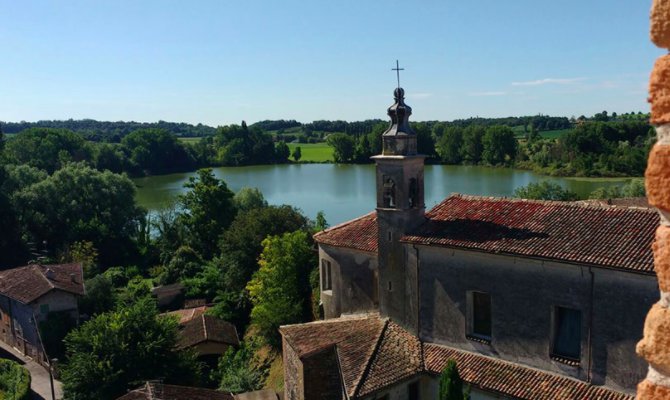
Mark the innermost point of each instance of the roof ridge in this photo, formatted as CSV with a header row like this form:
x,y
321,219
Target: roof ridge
x,y
576,203
368,365
204,326
43,274
347,317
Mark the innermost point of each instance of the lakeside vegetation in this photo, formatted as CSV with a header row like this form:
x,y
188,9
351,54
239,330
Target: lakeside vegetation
x,y
600,146
60,202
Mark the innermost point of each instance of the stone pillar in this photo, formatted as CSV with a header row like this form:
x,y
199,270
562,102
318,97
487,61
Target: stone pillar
x,y
655,345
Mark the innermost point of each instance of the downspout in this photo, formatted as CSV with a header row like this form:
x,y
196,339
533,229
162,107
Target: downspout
x,y
590,337
418,293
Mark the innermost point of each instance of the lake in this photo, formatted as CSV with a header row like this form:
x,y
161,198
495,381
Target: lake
x,y
344,192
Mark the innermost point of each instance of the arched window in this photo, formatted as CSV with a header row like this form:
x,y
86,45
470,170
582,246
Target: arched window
x,y
413,193
389,193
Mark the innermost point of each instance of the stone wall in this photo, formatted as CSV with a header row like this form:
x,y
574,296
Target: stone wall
x,y
293,378
322,376
655,346
524,294
354,282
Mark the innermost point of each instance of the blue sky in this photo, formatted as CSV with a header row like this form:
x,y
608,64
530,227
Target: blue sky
x,y
220,62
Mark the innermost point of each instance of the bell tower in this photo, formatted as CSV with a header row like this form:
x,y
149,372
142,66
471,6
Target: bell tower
x,y
400,208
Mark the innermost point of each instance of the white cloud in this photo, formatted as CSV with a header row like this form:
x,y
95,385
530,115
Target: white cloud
x,y
545,81
480,94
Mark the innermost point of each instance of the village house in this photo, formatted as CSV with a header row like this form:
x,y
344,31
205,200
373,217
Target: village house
x,y
28,294
208,335
532,299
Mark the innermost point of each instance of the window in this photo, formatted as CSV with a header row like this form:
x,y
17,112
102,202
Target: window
x,y
413,193
413,391
44,309
389,193
567,333
480,315
390,286
326,279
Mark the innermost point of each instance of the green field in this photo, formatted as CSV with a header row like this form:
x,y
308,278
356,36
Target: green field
x,y
313,152
554,134
190,140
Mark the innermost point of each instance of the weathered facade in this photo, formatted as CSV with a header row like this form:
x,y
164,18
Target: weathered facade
x,y
533,299
28,294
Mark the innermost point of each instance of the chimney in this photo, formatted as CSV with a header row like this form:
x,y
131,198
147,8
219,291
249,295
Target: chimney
x,y
50,274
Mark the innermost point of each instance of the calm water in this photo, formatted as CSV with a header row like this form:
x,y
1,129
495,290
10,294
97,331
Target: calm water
x,y
347,191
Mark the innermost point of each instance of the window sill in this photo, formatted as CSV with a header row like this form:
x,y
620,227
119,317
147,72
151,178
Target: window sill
x,y
479,339
565,360
328,292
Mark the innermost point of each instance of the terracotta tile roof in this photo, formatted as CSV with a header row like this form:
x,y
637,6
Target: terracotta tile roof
x,y
615,237
207,328
155,391
359,234
638,202
383,354
397,358
355,338
187,314
27,284
510,379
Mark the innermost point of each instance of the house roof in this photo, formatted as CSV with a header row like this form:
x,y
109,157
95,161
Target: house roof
x,y
514,380
609,236
397,355
154,391
207,328
187,314
29,283
355,338
359,234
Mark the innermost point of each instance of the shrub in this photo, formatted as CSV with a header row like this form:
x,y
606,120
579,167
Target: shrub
x,y
14,380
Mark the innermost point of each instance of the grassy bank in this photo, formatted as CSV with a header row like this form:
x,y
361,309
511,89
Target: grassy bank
x,y
313,152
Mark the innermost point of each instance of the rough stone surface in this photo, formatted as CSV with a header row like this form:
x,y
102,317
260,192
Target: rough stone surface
x,y
659,91
661,248
648,391
655,345
658,177
660,23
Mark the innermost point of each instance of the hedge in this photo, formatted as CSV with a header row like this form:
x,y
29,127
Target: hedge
x,y
14,381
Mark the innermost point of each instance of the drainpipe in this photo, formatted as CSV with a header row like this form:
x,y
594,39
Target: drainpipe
x,y
418,292
590,337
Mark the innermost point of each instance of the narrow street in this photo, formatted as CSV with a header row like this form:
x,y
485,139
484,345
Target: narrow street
x,y
39,385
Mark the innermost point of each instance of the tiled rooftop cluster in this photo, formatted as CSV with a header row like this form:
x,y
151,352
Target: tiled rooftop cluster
x,y
655,345
376,353
27,284
567,232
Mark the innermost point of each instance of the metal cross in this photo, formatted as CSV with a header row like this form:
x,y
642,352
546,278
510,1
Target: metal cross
x,y
397,69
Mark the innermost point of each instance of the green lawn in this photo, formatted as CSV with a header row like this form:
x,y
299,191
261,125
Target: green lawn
x,y
315,152
190,140
555,134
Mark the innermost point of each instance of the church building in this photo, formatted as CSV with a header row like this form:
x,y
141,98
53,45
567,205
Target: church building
x,y
531,299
